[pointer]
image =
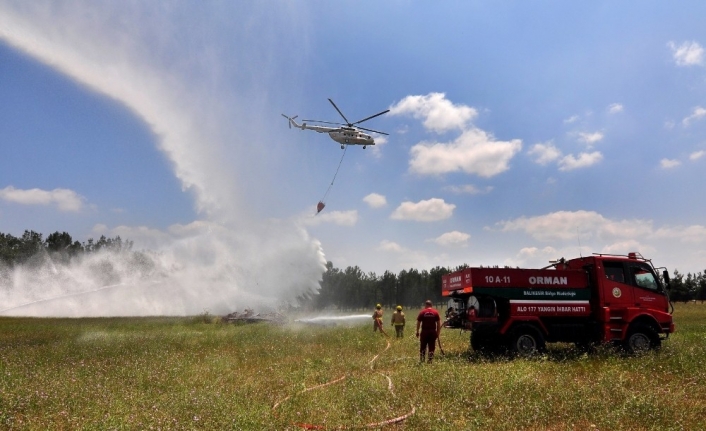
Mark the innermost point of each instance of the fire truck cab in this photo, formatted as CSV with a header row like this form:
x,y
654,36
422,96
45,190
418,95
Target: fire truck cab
x,y
586,301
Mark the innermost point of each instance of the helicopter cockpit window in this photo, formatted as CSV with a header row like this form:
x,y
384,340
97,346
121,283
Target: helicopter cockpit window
x,y
644,278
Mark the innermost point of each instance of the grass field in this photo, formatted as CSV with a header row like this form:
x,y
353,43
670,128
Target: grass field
x,y
187,373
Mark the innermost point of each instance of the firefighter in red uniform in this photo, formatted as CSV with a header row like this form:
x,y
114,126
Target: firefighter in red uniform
x,y
430,323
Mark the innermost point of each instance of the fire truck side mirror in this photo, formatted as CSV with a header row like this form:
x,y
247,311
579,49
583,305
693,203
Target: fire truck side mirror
x,y
665,275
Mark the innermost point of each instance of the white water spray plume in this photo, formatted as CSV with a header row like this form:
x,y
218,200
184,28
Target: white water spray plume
x,y
163,63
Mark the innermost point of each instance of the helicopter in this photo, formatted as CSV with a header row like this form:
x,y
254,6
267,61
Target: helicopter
x,y
346,134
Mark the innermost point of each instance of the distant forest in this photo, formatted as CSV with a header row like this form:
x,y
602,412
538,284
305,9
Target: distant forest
x,y
59,246
347,289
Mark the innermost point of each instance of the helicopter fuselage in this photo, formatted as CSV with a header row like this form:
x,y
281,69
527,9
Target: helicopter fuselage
x,y
351,136
343,135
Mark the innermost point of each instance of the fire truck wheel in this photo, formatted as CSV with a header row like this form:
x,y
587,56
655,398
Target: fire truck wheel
x,y
641,338
526,341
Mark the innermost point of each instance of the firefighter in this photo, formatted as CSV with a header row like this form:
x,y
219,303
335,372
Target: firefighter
x,y
377,319
430,323
398,322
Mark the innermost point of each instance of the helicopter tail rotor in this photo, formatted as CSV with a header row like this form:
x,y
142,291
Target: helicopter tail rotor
x,y
291,119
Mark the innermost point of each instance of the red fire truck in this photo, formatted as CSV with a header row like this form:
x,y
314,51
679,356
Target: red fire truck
x,y
587,301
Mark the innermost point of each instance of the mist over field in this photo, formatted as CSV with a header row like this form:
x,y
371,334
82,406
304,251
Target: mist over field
x,y
211,271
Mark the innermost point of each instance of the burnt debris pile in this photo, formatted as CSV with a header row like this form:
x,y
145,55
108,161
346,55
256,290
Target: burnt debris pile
x,y
249,316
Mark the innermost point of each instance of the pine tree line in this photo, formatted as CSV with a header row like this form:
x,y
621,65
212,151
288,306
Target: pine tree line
x,y
345,289
351,288
31,247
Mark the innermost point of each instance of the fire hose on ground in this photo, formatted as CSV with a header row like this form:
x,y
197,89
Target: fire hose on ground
x,y
379,424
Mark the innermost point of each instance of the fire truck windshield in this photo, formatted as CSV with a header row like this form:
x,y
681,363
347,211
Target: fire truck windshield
x,y
645,279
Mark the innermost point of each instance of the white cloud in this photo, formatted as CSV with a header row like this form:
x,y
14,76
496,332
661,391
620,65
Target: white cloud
x,y
474,152
437,112
434,209
380,141
340,218
391,246
687,54
409,258
570,225
697,155
615,108
590,138
529,257
544,153
468,189
697,114
571,119
375,200
533,252
669,163
585,232
99,228
689,234
454,238
627,246
64,199
570,162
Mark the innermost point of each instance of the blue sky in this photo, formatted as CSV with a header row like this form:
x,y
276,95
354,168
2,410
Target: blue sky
x,y
519,132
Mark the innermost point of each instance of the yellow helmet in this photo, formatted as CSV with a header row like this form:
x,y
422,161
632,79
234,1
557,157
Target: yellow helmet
x,y
378,306
399,307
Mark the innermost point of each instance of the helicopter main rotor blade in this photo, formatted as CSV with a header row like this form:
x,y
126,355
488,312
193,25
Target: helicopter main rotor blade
x,y
372,116
374,131
325,122
339,111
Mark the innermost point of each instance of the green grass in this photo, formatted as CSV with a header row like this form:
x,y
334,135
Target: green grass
x,y
187,373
